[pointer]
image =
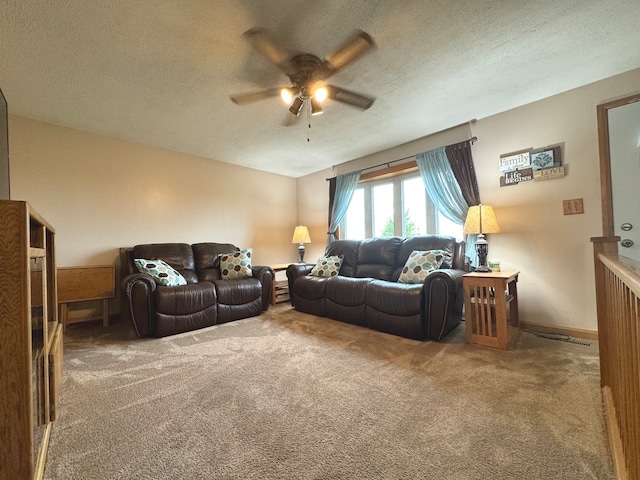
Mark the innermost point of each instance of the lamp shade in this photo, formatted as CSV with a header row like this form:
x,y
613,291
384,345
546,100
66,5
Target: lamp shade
x,y
481,219
301,235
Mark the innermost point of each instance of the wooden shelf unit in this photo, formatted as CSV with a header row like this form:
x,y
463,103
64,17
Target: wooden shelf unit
x,y
30,340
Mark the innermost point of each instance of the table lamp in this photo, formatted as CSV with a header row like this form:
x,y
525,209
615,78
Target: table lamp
x,y
301,236
481,220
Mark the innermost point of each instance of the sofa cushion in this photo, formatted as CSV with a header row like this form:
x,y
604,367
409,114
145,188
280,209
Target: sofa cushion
x,y
185,299
345,299
161,272
236,265
348,250
238,291
207,254
377,257
327,266
346,291
309,287
399,299
420,264
308,294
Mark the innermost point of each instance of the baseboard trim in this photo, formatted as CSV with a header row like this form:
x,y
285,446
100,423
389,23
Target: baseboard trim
x,y
572,332
615,441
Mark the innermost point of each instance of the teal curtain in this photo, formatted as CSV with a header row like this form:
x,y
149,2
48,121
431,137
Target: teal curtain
x,y
444,191
345,186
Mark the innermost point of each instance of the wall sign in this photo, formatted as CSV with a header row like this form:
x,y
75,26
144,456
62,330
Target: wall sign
x,y
533,164
516,176
548,174
515,160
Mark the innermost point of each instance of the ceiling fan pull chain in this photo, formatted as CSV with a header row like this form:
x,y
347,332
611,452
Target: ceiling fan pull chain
x,y
308,123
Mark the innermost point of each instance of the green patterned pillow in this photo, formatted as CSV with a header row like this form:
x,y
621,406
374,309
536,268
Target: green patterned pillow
x,y
420,264
327,266
236,265
162,273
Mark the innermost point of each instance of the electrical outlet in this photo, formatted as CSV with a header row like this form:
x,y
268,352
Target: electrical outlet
x,y
573,206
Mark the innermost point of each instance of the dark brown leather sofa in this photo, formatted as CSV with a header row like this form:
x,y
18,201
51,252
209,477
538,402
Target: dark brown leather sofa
x,y
207,299
366,291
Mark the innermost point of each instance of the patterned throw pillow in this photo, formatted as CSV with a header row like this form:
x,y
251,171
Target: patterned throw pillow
x,y
162,273
420,264
236,265
327,266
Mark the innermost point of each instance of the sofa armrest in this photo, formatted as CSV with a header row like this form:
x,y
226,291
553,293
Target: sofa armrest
x,y
137,301
443,302
266,275
294,271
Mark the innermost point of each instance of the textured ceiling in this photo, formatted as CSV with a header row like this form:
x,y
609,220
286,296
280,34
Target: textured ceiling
x,y
159,72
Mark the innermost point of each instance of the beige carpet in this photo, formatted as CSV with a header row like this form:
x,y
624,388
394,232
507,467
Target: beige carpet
x,y
292,396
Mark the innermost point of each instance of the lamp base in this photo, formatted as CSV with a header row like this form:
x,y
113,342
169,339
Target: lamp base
x,y
301,252
483,269
482,249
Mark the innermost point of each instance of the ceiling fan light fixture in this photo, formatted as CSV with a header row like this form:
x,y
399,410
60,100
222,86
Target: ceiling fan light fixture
x,y
320,94
316,108
296,106
287,95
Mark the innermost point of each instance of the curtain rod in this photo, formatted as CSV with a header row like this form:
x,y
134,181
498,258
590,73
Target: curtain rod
x,y
472,140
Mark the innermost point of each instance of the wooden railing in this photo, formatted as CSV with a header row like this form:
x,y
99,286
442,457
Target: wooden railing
x,y
618,307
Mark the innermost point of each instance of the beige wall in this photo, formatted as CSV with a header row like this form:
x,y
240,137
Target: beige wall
x,y
552,251
313,203
101,194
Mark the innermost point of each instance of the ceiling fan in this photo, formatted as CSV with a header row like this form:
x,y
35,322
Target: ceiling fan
x,y
308,73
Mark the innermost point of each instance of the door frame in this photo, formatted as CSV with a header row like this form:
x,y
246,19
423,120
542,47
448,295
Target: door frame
x,y
606,189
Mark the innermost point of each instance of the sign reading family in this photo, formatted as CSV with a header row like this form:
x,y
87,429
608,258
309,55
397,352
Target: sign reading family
x,y
515,160
540,164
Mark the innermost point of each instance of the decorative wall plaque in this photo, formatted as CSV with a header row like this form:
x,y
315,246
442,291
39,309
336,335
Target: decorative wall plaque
x,y
539,164
548,173
516,176
515,160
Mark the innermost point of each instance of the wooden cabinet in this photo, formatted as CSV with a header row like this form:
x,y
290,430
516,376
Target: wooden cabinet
x,y
30,340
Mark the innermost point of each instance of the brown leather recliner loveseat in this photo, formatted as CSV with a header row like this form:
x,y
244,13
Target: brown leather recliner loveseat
x,y
367,292
206,299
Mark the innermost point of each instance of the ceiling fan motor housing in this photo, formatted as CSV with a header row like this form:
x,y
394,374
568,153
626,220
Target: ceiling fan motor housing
x,y
307,71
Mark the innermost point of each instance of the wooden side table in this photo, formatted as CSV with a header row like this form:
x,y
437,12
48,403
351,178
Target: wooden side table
x,y
486,298
280,292
79,284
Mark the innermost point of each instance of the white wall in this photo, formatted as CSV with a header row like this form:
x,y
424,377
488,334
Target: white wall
x,y
552,251
101,194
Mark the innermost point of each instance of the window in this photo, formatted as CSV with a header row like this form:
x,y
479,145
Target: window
x,y
394,206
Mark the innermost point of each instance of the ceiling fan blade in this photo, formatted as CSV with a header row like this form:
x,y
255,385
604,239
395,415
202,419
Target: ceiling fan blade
x,y
251,97
261,40
356,46
350,98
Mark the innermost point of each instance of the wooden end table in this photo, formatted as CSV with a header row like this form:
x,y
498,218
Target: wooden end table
x,y
486,298
82,284
280,290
